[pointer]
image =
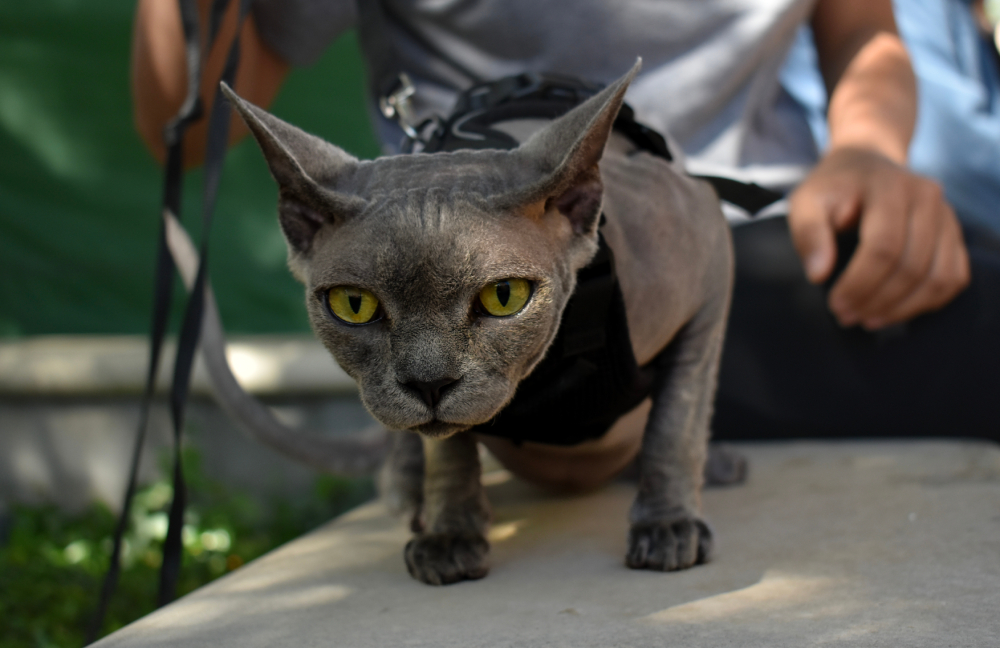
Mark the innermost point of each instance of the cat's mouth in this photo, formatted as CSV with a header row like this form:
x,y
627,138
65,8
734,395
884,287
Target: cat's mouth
x,y
438,429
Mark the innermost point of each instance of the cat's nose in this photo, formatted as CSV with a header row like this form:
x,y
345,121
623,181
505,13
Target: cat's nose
x,y
431,391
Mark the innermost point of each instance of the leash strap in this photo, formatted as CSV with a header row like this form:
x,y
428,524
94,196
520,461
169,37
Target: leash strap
x,y
187,345
191,110
163,282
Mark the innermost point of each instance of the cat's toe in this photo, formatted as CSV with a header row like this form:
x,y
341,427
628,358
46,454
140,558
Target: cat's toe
x,y
669,546
444,559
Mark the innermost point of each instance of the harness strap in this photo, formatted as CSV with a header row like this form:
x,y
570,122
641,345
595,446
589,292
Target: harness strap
x,y
591,362
749,196
586,315
591,358
548,96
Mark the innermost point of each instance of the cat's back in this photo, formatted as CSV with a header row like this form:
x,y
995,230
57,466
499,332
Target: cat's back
x,y
673,250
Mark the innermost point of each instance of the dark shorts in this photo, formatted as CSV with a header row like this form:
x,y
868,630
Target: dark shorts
x,y
789,370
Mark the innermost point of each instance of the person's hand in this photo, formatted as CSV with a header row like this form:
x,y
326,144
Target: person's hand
x,y
911,257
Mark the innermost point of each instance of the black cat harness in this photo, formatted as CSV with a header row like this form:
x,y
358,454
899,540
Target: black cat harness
x,y
589,377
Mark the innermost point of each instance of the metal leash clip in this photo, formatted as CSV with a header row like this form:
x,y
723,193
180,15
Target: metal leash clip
x,y
397,105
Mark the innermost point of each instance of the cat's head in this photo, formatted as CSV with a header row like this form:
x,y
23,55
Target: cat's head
x,y
438,281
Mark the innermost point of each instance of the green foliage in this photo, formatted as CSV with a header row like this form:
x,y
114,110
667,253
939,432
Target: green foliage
x,y
80,195
53,563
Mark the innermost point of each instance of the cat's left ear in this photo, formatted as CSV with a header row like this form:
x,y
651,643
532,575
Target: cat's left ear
x,y
566,153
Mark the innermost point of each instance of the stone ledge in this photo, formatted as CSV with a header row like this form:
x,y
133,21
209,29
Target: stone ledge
x,y
829,544
116,366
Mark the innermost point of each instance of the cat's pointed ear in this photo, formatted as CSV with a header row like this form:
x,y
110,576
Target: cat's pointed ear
x,y
566,152
306,169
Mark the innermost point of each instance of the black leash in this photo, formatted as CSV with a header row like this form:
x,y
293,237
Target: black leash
x,y
162,291
187,345
190,111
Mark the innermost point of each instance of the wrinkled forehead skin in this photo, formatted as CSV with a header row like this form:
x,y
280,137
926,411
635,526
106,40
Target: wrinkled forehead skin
x,y
487,173
433,221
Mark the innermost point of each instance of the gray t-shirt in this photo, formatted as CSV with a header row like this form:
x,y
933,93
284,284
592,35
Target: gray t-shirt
x,y
709,78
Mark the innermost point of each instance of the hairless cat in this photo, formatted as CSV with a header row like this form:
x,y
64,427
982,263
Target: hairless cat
x,y
439,281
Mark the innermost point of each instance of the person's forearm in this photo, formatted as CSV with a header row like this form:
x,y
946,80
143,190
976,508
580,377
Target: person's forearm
x,y
868,75
159,72
910,257
874,104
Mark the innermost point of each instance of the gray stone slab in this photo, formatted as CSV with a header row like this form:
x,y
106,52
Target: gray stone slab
x,y
69,406
72,451
110,365
829,544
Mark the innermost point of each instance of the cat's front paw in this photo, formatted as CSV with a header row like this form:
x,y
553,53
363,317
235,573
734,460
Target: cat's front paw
x,y
440,559
669,546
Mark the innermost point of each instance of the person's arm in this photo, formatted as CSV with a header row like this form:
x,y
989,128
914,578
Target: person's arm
x,y
911,257
159,73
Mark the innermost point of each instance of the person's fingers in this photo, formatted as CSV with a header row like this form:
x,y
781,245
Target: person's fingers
x,y
882,239
948,275
811,221
928,213
910,258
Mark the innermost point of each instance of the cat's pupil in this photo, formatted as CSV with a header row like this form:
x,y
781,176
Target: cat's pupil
x,y
355,302
503,292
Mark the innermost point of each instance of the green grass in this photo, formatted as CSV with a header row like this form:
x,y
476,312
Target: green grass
x,y
52,563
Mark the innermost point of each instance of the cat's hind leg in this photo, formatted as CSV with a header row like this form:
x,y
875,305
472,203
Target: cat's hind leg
x,y
726,466
401,478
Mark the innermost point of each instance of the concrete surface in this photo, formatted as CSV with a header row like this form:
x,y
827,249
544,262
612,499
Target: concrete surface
x,y
829,544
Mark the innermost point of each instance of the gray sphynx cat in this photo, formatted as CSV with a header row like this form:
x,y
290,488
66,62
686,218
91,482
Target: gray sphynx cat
x,y
399,257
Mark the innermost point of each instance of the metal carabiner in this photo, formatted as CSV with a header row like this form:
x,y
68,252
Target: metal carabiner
x,y
398,106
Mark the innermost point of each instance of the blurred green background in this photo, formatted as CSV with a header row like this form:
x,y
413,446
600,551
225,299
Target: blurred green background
x,y
79,216
80,195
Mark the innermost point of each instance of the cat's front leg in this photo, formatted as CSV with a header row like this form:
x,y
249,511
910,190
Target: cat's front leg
x,y
452,546
667,531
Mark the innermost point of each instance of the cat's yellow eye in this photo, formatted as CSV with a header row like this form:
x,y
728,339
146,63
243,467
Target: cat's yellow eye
x,y
352,305
506,297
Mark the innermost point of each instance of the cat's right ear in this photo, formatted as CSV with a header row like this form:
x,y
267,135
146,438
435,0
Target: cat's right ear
x,y
564,157
307,170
